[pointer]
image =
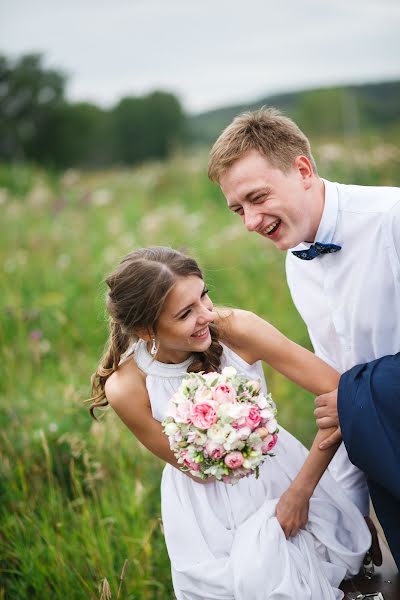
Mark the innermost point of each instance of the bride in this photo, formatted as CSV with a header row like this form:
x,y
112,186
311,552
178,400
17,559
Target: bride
x,y
290,534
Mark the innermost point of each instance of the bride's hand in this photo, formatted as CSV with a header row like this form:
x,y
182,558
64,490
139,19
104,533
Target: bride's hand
x,y
292,511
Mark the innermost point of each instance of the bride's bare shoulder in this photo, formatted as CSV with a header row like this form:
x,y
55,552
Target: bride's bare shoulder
x,y
126,382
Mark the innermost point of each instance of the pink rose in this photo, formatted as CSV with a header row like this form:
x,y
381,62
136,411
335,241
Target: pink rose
x,y
188,462
214,450
233,460
203,415
224,393
269,443
253,419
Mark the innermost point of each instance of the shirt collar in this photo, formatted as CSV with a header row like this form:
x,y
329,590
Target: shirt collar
x,y
327,224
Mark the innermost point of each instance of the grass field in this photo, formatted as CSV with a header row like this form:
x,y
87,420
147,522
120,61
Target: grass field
x,y
80,497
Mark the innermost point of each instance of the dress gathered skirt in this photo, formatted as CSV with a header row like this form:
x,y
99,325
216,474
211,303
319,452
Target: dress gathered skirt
x,y
225,542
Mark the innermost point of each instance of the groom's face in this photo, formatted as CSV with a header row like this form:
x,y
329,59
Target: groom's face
x,y
270,202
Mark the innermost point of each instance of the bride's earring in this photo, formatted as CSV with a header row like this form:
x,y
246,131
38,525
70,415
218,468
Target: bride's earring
x,y
154,347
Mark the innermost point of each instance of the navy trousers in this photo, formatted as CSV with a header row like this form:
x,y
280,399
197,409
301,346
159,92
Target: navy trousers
x,y
369,415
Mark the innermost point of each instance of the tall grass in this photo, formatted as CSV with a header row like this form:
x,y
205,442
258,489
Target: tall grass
x,y
78,498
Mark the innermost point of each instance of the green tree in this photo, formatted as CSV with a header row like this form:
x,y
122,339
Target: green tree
x,y
76,134
28,93
147,127
37,123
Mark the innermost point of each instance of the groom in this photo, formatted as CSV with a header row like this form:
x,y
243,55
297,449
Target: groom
x,y
343,243
367,406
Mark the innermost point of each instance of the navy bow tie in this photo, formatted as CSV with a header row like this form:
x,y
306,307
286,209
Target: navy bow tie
x,y
316,250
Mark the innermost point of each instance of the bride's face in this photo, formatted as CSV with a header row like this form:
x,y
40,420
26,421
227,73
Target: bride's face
x,y
183,326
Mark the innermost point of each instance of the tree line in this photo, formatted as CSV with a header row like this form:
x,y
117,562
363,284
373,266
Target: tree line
x,y
340,112
38,123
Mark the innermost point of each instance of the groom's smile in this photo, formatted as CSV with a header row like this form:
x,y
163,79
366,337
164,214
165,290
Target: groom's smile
x,y
271,229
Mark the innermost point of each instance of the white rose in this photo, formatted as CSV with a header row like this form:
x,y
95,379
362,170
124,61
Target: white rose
x,y
215,470
203,394
171,428
245,409
243,433
224,412
229,372
262,402
233,411
272,425
218,433
267,413
200,439
232,440
179,397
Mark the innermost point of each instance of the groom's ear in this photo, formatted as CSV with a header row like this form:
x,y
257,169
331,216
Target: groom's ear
x,y
305,169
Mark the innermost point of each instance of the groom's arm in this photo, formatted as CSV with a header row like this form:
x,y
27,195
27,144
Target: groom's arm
x,y
367,406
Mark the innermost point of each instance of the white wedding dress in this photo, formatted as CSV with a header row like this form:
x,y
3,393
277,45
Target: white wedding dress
x,y
224,541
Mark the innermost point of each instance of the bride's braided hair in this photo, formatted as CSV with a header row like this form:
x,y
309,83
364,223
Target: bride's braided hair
x,y
137,291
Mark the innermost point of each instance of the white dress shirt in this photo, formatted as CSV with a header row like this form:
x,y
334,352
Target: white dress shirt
x,y
350,300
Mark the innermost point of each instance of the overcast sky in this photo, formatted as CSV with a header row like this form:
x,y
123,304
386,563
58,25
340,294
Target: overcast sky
x,y
210,52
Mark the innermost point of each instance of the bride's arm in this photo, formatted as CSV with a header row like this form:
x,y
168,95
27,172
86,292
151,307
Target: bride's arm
x,y
255,339
292,508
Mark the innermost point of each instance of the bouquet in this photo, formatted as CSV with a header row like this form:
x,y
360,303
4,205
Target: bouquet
x,y
221,425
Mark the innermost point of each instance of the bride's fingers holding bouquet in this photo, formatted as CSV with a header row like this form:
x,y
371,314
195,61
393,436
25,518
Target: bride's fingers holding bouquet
x,y
292,511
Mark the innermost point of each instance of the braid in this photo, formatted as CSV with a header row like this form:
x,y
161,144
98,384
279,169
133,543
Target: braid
x,y
118,344
210,360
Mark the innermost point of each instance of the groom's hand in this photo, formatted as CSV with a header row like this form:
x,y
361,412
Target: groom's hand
x,y
326,413
334,439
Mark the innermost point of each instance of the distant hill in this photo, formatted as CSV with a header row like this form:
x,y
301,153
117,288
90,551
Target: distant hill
x,y
334,111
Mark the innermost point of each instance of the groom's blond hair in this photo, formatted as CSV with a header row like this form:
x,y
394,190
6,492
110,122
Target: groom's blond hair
x,y
268,131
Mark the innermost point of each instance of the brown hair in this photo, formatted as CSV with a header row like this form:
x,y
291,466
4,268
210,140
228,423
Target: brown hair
x,y
137,291
275,136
